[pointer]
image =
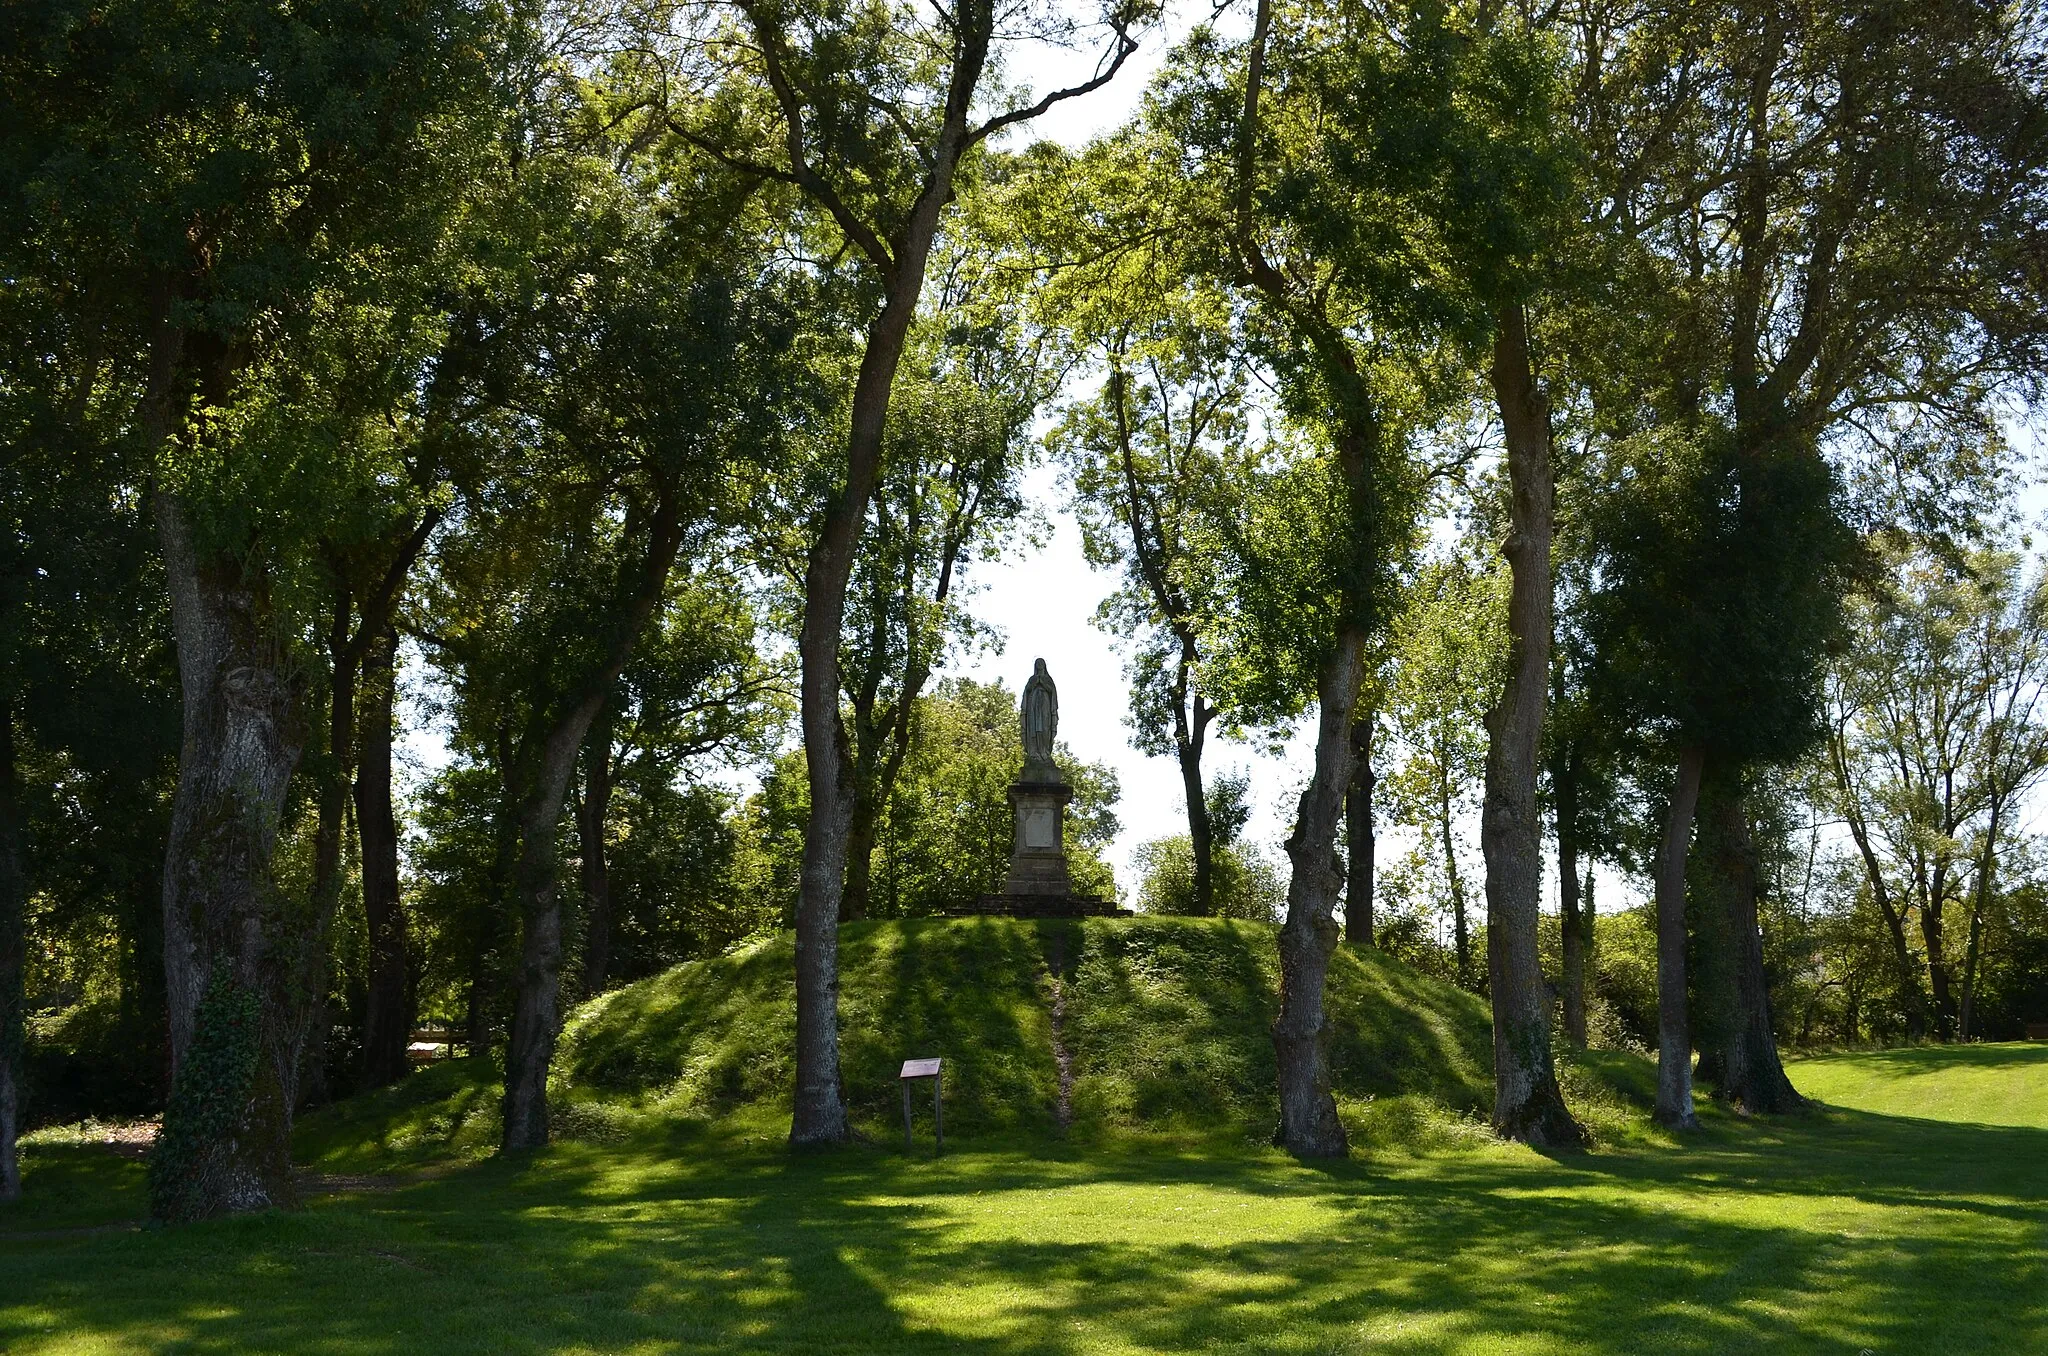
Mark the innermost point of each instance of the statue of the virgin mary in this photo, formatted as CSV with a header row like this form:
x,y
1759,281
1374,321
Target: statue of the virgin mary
x,y
1039,714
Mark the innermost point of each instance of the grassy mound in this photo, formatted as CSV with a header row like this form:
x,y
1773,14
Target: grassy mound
x,y
1161,1026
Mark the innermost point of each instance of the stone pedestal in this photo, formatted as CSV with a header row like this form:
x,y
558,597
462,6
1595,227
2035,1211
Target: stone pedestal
x,y
1038,851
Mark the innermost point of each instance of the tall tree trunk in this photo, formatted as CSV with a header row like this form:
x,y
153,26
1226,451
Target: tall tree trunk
x,y
591,813
1461,930
819,1112
1308,1113
1201,830
1980,896
388,1006
1895,931
1736,1040
1674,1042
1527,1102
13,953
1572,922
330,822
546,759
237,967
1358,831
1937,965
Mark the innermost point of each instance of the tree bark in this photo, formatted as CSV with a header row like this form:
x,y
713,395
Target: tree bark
x,y
1527,1102
819,1112
13,953
1358,831
1674,1042
1571,923
1931,935
1308,1113
545,762
1201,830
237,967
591,812
1980,895
1736,1039
1461,929
388,1006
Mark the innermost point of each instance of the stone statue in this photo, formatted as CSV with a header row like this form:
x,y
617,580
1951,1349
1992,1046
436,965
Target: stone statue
x,y
1039,714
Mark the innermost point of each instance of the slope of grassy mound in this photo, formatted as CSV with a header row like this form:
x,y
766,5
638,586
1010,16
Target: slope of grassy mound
x,y
1104,1024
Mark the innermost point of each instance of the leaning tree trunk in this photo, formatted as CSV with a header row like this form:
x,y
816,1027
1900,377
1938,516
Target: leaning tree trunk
x,y
544,761
13,953
1527,1102
592,811
1572,921
1674,1041
818,1115
237,954
1308,1113
1358,831
388,1009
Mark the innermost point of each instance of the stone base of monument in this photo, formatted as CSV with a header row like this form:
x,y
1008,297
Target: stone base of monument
x,y
1038,885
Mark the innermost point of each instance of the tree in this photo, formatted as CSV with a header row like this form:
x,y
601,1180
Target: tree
x,y
1447,657
696,687
629,372
1153,456
222,182
1330,185
859,112
1935,734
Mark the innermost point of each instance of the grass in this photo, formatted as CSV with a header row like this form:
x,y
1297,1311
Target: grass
x,y
1910,1214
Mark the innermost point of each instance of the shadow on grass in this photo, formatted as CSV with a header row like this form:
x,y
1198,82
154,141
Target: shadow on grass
x,y
1844,1232
1924,1059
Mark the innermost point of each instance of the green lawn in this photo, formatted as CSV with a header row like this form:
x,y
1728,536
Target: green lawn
x,y
1911,1216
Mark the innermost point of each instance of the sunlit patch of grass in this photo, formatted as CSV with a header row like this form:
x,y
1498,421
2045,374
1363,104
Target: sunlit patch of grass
x,y
1844,1231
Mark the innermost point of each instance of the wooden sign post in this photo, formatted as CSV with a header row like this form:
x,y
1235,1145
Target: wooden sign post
x,y
925,1068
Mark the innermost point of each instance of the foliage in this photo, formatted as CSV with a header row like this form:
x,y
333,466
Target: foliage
x,y
945,835
208,1104
1248,886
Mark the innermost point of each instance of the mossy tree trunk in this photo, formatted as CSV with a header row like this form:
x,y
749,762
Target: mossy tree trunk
x,y
1738,1051
241,958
